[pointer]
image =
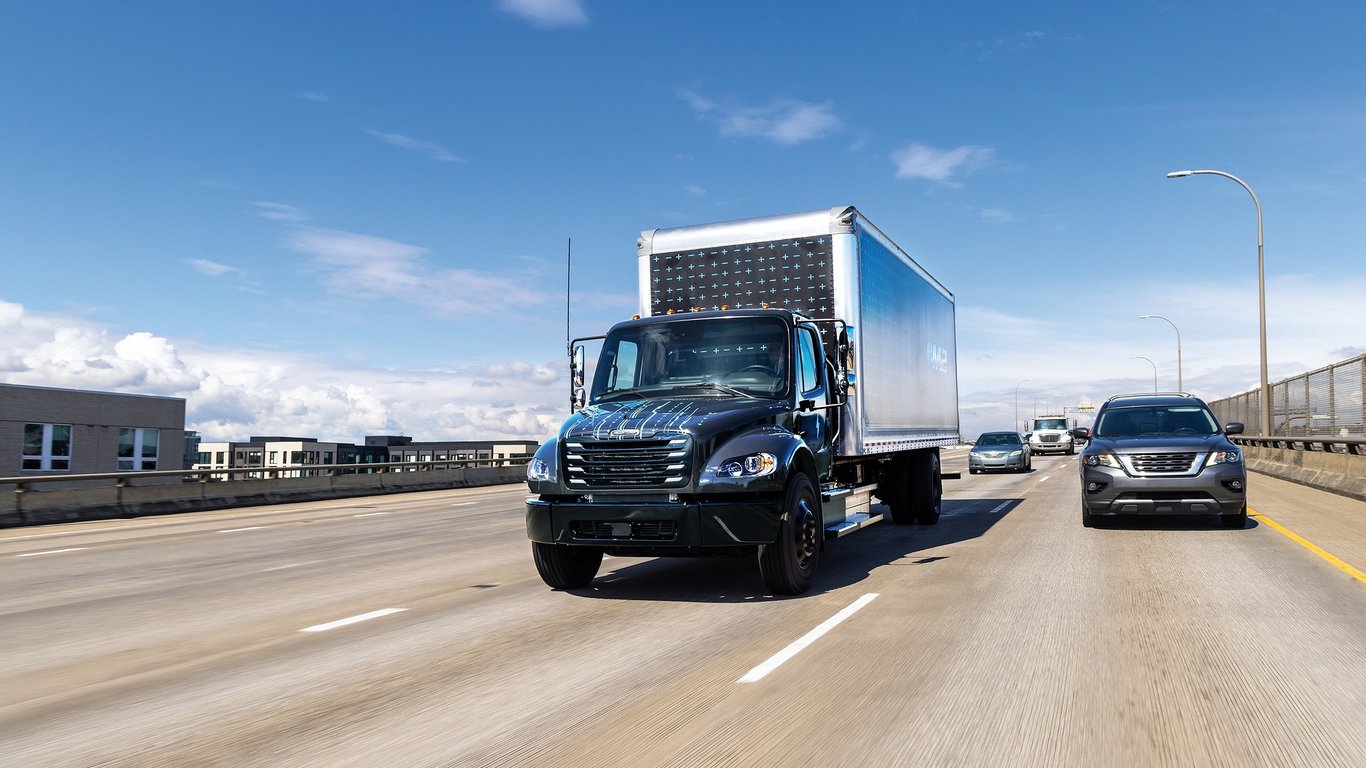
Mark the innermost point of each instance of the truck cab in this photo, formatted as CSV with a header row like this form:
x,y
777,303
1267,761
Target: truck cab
x,y
1050,434
703,432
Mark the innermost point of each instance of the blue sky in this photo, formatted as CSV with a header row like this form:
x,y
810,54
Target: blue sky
x,y
339,219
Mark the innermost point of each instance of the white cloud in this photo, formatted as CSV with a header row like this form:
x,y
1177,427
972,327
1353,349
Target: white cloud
x,y
232,394
401,141
784,121
921,161
279,211
547,13
376,269
210,268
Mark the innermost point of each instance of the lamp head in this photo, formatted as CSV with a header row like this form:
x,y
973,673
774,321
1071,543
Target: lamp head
x,y
1178,174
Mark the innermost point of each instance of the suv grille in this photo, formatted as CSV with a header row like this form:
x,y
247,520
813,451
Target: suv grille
x,y
658,463
1163,463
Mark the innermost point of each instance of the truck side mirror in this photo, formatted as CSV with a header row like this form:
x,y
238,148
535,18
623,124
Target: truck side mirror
x,y
576,367
578,399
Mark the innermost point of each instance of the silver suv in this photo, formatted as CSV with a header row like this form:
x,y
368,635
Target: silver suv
x,y
1162,454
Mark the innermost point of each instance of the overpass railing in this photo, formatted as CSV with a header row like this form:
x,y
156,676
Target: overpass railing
x,y
25,483
1316,406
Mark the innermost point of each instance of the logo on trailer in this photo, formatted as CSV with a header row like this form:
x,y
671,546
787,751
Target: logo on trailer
x,y
938,357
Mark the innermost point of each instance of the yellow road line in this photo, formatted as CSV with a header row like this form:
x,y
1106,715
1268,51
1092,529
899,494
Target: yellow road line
x,y
1354,573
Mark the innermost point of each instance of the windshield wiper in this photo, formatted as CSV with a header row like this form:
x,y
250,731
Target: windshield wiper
x,y
618,393
718,387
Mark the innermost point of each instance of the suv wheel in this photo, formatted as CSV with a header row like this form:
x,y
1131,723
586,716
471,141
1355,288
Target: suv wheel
x,y
1238,520
1088,520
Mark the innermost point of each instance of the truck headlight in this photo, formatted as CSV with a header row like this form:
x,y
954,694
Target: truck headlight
x,y
539,471
753,465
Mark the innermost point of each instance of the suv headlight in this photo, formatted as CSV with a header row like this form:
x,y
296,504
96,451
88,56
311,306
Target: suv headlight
x,y
1234,456
1101,460
753,465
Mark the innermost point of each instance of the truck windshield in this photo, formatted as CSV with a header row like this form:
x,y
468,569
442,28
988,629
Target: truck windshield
x,y
729,357
1050,424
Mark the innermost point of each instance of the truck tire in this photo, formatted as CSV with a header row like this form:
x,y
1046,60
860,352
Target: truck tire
x,y
564,567
789,564
895,489
927,487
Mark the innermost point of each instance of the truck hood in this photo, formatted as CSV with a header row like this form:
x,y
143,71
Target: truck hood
x,y
702,417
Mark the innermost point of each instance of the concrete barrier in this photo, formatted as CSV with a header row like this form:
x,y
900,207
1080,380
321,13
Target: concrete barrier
x,y
1340,473
35,507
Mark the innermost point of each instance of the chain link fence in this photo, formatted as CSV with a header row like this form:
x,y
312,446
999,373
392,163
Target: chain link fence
x,y
1324,402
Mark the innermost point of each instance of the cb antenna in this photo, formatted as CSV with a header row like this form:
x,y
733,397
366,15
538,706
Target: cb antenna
x,y
568,271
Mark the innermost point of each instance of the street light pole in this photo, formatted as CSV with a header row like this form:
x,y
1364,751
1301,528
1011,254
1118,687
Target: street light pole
x,y
1154,365
1261,289
1017,403
1180,386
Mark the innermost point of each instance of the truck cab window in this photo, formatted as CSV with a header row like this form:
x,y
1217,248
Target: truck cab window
x,y
808,372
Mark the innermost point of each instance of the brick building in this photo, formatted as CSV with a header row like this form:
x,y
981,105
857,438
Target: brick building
x,y
49,431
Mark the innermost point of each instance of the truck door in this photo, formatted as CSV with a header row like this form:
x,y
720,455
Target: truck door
x,y
813,425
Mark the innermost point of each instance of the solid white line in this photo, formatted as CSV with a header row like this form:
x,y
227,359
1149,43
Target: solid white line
x,y
52,551
352,620
779,658
235,530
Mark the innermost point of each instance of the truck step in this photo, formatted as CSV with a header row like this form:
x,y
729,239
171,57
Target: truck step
x,y
850,524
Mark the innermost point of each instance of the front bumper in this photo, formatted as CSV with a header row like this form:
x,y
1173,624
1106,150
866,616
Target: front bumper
x,y
1062,446
984,462
661,527
1207,493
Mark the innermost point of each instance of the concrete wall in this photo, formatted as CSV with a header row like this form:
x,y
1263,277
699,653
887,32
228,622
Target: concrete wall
x,y
1340,473
134,500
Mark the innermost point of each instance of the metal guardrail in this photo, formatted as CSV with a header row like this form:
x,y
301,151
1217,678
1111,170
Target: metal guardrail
x,y
125,479
1325,401
1355,446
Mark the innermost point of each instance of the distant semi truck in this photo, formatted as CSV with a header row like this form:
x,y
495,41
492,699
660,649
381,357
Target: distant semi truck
x,y
781,372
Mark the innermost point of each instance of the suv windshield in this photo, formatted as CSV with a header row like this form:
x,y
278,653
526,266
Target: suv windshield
x,y
739,356
1155,420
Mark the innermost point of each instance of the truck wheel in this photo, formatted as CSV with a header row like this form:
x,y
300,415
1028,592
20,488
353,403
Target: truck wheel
x,y
789,564
927,487
564,567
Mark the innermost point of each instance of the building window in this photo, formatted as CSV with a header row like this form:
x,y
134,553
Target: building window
x,y
47,447
222,459
138,448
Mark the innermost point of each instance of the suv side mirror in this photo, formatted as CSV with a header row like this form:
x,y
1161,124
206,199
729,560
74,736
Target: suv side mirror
x,y
1233,428
1081,433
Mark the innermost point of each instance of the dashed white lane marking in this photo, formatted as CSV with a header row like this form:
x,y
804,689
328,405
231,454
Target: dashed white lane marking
x,y
463,503
999,507
1045,477
779,658
352,620
51,551
248,528
371,514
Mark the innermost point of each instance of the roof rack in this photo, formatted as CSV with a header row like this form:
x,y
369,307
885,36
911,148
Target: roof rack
x,y
1150,394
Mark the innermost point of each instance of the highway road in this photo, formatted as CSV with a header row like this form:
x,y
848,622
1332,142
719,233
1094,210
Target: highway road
x,y
412,630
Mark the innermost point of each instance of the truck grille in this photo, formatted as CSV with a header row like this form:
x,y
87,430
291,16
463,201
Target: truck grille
x,y
1050,438
665,530
1163,463
657,463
